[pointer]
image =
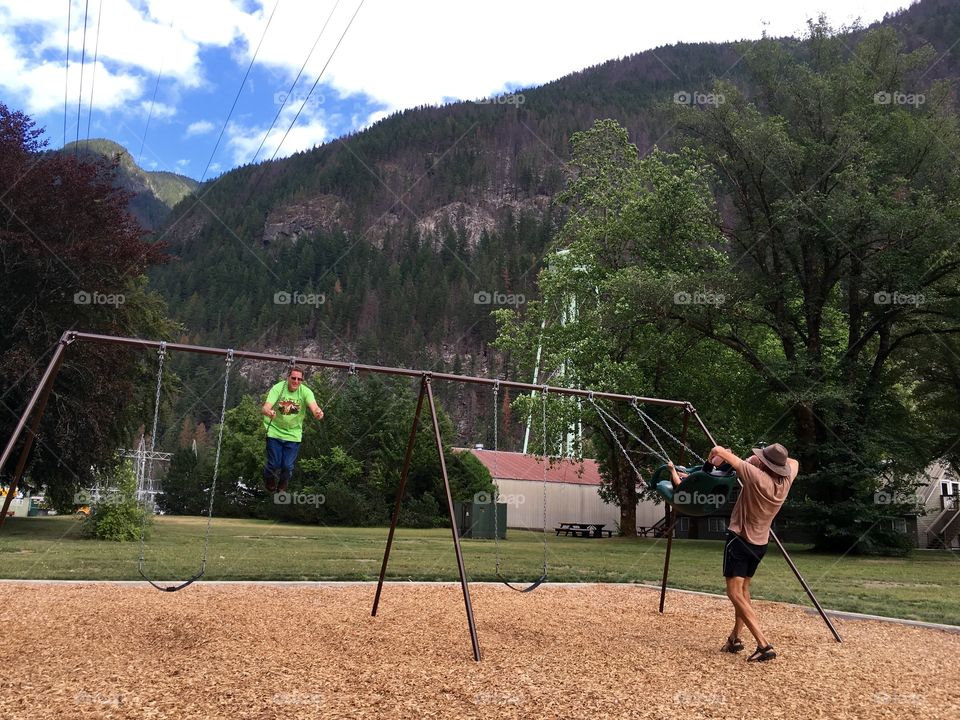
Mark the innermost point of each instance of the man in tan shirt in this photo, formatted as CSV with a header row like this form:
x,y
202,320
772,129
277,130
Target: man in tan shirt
x,y
767,476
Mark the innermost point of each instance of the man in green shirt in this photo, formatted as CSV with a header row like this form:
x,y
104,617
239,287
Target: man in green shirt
x,y
283,414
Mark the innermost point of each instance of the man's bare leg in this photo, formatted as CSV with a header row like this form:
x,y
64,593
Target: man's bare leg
x,y
744,610
738,625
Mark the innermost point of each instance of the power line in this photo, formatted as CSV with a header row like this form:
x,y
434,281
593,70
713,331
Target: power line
x,y
294,83
239,90
156,87
83,57
66,79
93,77
317,81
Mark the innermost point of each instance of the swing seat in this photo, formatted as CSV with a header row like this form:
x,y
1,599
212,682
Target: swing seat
x,y
699,494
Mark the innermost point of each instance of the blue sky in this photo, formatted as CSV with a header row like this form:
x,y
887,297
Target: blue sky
x,y
395,55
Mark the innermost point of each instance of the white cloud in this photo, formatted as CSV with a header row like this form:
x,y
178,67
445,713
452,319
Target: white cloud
x,y
200,127
157,110
399,54
243,141
405,54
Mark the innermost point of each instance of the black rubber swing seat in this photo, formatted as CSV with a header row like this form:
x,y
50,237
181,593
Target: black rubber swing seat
x,y
700,493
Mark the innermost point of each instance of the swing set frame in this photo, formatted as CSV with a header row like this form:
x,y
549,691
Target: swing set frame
x,y
33,412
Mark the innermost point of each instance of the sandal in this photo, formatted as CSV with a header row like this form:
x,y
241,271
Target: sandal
x,y
733,645
762,654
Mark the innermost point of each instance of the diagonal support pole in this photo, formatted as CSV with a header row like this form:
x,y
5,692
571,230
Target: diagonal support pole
x,y
453,524
400,490
35,407
673,516
426,389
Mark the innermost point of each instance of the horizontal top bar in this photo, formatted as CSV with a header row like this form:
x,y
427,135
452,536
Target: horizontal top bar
x,y
71,336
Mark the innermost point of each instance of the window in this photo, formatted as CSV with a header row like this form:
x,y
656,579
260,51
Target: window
x,y
896,524
683,524
717,524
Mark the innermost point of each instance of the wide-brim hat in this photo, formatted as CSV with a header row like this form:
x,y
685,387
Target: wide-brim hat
x,y
775,458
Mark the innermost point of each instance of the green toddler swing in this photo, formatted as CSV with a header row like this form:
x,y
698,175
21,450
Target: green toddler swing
x,y
699,494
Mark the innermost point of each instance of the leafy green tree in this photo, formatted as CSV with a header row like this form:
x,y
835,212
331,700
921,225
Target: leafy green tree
x,y
71,256
633,227
842,269
182,487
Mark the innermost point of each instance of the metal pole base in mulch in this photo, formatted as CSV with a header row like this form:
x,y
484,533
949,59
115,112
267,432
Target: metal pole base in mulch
x,y
255,651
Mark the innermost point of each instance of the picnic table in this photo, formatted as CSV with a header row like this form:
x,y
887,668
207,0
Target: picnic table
x,y
584,530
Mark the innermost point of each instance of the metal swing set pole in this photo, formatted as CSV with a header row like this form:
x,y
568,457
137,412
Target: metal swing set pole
x,y
35,406
689,410
426,389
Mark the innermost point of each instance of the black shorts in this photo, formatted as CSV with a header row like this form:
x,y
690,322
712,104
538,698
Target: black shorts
x,y
740,558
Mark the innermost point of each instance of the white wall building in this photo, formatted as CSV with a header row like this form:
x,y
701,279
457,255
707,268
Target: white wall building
x,y
571,492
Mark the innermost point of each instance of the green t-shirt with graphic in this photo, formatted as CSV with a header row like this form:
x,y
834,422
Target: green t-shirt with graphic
x,y
291,408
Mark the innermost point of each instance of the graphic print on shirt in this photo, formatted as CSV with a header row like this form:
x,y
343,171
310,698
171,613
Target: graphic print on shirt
x,y
288,407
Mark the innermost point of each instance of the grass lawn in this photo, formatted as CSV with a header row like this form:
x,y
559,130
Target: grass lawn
x,y
919,587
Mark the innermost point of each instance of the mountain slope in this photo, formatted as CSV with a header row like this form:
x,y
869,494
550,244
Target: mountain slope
x,y
154,193
406,228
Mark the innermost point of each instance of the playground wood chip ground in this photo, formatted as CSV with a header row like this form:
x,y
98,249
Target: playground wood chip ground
x,y
257,651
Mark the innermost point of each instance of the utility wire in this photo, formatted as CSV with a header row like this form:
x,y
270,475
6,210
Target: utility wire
x,y
66,79
93,77
239,90
294,83
83,57
317,81
156,87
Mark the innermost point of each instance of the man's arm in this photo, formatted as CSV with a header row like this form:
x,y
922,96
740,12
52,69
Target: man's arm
x,y
315,409
272,397
726,455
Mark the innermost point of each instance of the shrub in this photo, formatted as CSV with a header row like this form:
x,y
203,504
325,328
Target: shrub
x,y
117,515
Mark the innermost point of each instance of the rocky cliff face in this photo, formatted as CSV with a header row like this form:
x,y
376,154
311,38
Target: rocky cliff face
x,y
294,219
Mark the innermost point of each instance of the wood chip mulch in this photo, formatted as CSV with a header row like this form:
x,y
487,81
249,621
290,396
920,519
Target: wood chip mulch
x,y
595,651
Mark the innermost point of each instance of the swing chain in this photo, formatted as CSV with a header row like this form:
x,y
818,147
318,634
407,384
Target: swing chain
x,y
613,434
496,463
161,354
216,460
645,417
544,490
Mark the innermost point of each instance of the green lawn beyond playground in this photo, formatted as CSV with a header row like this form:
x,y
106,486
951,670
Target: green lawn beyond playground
x,y
920,587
